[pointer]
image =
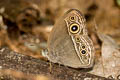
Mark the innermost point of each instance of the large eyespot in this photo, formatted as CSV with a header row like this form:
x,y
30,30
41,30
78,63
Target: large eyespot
x,y
74,28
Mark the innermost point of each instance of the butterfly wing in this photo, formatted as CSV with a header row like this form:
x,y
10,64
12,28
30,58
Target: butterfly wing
x,y
61,47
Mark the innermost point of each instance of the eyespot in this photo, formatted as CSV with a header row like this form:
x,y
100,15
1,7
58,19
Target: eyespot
x,y
72,18
77,39
74,28
83,52
83,46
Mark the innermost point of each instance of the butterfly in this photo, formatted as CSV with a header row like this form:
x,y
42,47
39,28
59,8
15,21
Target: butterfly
x,y
69,43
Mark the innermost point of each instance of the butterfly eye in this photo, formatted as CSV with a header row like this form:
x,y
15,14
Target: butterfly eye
x,y
74,28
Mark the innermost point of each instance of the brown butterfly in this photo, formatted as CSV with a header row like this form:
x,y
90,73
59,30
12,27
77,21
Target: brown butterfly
x,y
69,43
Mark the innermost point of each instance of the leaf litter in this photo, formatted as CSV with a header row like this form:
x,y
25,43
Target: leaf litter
x,y
108,65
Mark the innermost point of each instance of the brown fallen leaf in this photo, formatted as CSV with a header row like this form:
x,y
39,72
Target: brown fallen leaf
x,y
109,63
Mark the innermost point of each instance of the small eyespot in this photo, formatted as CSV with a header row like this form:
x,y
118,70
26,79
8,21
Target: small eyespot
x,y
74,28
83,51
72,18
83,47
77,39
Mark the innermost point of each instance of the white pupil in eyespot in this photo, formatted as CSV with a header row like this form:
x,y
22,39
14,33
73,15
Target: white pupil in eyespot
x,y
83,51
74,28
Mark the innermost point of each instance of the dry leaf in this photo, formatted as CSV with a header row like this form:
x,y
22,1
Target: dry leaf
x,y
109,63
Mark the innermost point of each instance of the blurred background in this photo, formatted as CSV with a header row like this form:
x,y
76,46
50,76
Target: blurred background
x,y
25,24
